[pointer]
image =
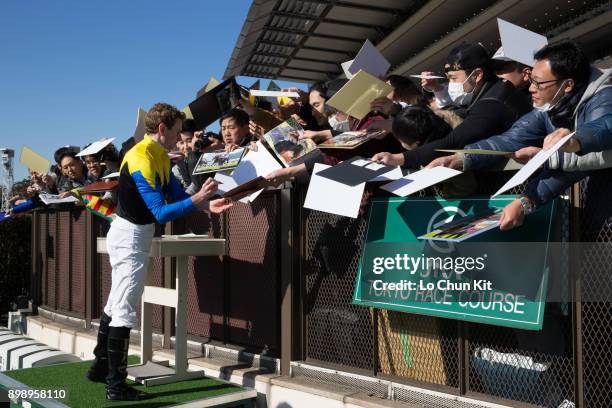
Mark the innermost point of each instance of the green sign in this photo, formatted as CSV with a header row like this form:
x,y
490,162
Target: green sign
x,y
496,277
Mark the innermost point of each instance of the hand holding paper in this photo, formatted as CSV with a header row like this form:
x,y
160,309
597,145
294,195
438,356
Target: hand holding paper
x,y
355,96
539,159
290,94
34,161
427,76
429,81
525,154
477,151
254,164
56,199
419,180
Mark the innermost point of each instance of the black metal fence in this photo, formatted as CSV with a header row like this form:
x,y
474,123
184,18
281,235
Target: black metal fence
x,y
292,265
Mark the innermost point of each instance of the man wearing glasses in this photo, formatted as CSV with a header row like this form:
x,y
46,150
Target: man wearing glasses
x,y
566,93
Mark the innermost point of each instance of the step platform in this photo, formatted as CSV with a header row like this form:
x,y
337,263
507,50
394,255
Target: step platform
x,y
77,391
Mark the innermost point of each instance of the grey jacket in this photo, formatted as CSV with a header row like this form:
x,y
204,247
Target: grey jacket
x,y
593,160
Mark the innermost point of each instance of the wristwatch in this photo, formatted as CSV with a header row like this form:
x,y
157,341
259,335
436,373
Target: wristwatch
x,y
527,205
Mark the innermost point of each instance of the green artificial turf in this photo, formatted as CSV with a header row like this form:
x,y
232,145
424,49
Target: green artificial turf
x,y
83,393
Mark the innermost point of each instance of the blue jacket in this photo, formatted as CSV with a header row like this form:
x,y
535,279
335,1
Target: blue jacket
x,y
532,128
596,143
595,136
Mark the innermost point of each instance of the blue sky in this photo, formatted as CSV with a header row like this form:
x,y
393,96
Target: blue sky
x,y
74,71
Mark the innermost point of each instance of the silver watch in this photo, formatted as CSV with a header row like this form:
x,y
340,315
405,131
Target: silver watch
x,y
527,205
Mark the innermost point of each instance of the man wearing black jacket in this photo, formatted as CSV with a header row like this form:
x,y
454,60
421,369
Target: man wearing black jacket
x,y
488,104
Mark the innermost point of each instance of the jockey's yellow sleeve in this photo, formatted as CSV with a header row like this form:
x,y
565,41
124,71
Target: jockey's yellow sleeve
x,y
146,184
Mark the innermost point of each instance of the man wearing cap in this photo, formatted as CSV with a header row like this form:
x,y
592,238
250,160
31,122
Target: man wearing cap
x,y
145,185
512,71
514,59
490,106
567,93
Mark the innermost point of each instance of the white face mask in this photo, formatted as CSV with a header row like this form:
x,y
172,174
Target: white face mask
x,y
458,94
548,106
340,126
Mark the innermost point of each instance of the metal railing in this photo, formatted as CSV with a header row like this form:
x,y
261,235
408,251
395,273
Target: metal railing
x,y
285,287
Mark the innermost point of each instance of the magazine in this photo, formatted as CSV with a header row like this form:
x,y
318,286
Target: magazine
x,y
350,140
218,160
285,143
464,228
56,199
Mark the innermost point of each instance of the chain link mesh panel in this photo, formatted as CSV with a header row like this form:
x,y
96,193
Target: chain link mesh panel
x,y
596,338
422,348
337,332
526,366
430,401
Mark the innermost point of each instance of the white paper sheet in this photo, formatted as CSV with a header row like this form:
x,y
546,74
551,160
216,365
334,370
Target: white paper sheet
x,y
332,197
532,165
427,76
95,147
140,130
419,180
112,175
226,183
518,43
56,199
394,174
370,60
257,92
345,67
225,180
255,164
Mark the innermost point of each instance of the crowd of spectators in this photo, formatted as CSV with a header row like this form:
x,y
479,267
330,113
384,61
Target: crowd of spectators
x,y
481,104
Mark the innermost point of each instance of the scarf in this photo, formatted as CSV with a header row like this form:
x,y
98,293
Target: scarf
x,y
562,114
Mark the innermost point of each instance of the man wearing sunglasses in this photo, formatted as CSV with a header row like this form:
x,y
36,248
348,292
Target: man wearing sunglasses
x,y
566,93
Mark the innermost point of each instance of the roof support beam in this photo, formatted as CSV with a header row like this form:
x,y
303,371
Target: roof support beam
x,y
311,34
327,20
274,55
287,44
359,6
281,67
260,75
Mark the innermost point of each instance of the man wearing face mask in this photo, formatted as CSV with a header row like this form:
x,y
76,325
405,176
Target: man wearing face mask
x,y
322,121
567,93
488,104
339,122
